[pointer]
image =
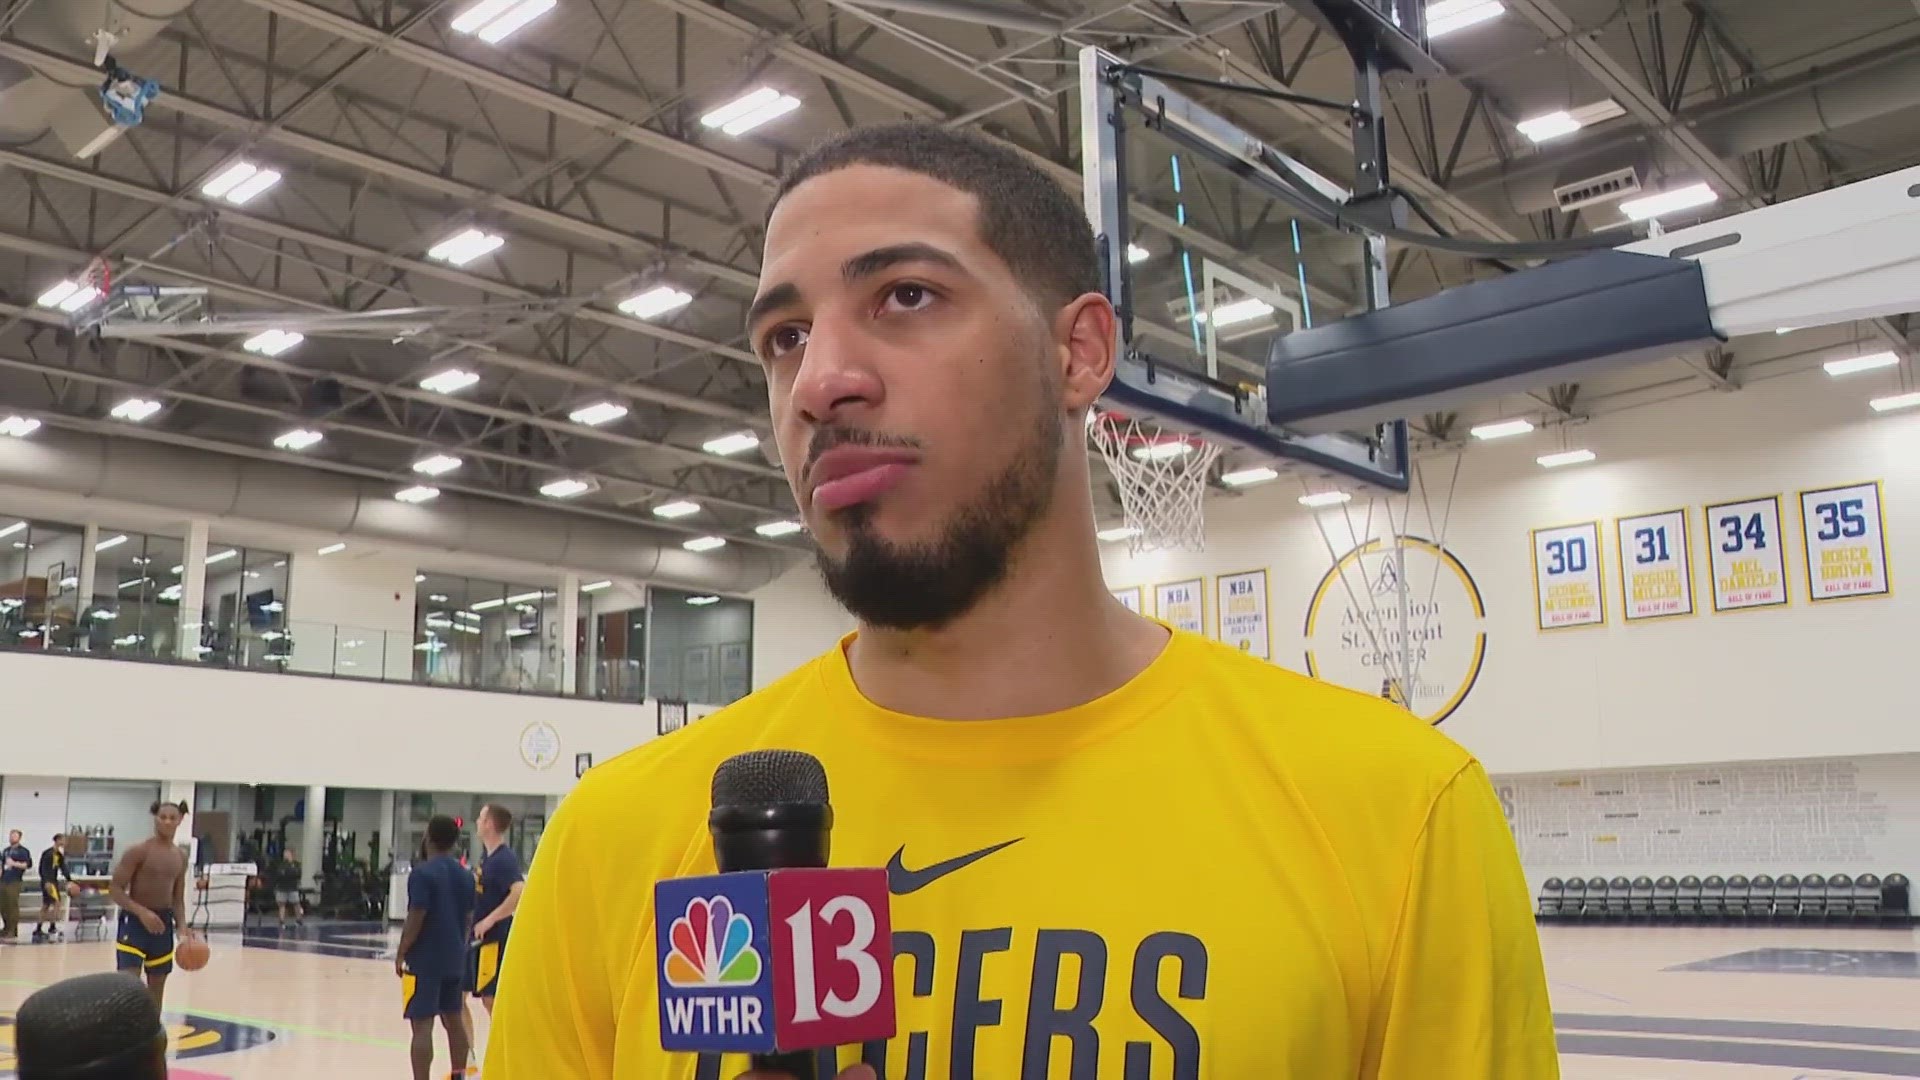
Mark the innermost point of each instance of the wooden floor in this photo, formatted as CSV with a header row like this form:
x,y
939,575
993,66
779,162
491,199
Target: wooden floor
x,y
1632,1003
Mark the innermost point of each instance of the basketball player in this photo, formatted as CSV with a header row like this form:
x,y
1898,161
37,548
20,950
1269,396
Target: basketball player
x,y
53,898
1114,849
432,958
500,883
150,886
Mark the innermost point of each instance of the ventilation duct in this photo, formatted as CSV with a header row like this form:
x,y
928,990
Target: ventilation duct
x,y
31,103
212,485
1874,84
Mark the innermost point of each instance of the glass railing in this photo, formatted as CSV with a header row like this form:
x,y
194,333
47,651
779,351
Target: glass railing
x,y
613,680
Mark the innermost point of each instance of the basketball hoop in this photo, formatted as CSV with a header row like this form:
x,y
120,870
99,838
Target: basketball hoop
x,y
99,276
1162,477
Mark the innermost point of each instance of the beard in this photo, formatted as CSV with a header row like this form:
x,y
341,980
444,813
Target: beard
x,y
928,584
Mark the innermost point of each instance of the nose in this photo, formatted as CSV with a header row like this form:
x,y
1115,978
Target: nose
x,y
837,375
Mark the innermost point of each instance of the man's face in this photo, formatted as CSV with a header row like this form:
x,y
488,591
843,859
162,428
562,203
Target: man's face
x,y
13,838
60,843
914,390
166,820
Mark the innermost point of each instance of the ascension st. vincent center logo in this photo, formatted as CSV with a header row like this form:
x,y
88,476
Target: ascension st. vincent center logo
x,y
712,946
1354,631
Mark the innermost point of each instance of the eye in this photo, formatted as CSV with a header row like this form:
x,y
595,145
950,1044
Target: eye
x,y
782,340
908,296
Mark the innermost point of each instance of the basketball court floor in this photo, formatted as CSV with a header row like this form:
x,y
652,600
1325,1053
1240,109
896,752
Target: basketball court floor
x,y
1632,1003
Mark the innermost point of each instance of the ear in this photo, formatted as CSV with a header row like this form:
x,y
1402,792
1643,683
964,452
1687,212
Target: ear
x,y
1084,340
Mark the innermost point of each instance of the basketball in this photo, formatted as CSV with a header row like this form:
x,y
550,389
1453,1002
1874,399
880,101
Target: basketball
x,y
192,954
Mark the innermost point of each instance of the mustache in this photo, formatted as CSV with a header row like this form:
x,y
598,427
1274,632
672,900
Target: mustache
x,y
832,438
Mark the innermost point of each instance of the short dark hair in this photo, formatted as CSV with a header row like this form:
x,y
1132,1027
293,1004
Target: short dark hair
x,y
1028,219
158,803
501,817
442,832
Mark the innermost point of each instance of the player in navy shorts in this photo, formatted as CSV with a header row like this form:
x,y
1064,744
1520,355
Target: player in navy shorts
x,y
150,885
432,958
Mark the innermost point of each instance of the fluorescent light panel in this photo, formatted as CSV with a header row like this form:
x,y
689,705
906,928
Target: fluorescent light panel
x,y
240,183
565,488
1161,451
602,412
778,528
223,556
1565,457
731,444
702,601
298,439
1563,122
272,342
68,296
1668,202
135,410
1259,474
1325,498
419,493
1897,401
1120,532
520,15
1136,253
749,111
436,465
1447,16
1239,311
109,545
332,549
655,302
678,509
705,543
1854,364
1501,429
464,247
13,528
451,381
596,586
19,426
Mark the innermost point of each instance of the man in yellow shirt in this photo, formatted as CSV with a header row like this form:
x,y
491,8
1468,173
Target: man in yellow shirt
x,y
1115,850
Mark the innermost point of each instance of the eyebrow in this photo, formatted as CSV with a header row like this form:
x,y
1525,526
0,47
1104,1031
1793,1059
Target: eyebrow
x,y
862,265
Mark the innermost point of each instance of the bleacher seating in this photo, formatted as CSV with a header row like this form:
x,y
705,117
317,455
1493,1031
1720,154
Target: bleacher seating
x,y
1791,899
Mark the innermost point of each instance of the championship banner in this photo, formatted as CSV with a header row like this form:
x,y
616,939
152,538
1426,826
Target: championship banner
x,y
1133,598
1566,576
1846,550
1744,554
1181,604
1656,566
1241,601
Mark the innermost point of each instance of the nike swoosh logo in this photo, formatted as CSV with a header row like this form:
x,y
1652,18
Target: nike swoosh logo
x,y
901,881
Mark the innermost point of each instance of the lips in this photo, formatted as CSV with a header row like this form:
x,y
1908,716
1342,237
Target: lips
x,y
850,475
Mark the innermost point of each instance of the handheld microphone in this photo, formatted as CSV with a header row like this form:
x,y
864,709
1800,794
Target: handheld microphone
x,y
776,955
93,1027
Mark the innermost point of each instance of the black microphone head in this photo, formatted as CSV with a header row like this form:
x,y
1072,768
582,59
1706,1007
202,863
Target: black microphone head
x,y
93,1026
769,778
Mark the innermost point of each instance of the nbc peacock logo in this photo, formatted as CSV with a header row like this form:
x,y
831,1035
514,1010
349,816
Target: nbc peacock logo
x,y
712,946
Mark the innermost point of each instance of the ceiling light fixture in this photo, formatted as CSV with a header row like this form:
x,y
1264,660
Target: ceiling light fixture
x,y
272,342
1563,122
1565,457
1136,253
1121,532
1325,498
223,556
1259,474
1237,312
437,465
702,601
1501,429
749,111
419,493
785,527
565,488
655,302
298,439
602,412
135,410
11,529
677,509
1854,364
705,543
1669,202
1446,16
464,247
731,444
450,381
19,427
493,21
240,183
109,545
1897,401
596,586
68,296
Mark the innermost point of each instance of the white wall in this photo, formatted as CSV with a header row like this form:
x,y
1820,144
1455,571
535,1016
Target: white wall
x,y
123,805
37,806
794,620
1796,682
246,727
349,597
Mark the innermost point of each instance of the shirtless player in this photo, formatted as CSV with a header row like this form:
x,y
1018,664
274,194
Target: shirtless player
x,y
150,885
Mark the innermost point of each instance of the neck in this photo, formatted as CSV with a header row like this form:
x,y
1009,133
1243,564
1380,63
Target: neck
x,y
1052,604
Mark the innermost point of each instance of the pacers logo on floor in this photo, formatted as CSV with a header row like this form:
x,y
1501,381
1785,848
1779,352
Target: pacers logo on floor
x,y
188,1036
1355,632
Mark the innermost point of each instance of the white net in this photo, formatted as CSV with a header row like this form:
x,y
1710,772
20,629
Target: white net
x,y
1162,477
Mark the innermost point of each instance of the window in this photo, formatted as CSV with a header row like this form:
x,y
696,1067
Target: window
x,y
700,647
39,583
135,607
244,613
489,635
612,643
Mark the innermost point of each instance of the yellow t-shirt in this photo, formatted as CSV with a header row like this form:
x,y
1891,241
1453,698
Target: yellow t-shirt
x,y
1220,870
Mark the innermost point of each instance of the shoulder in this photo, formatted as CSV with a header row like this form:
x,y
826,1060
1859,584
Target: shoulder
x,y
1330,742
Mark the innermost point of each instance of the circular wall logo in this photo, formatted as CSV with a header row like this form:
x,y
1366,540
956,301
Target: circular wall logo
x,y
539,745
1354,630
187,1037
